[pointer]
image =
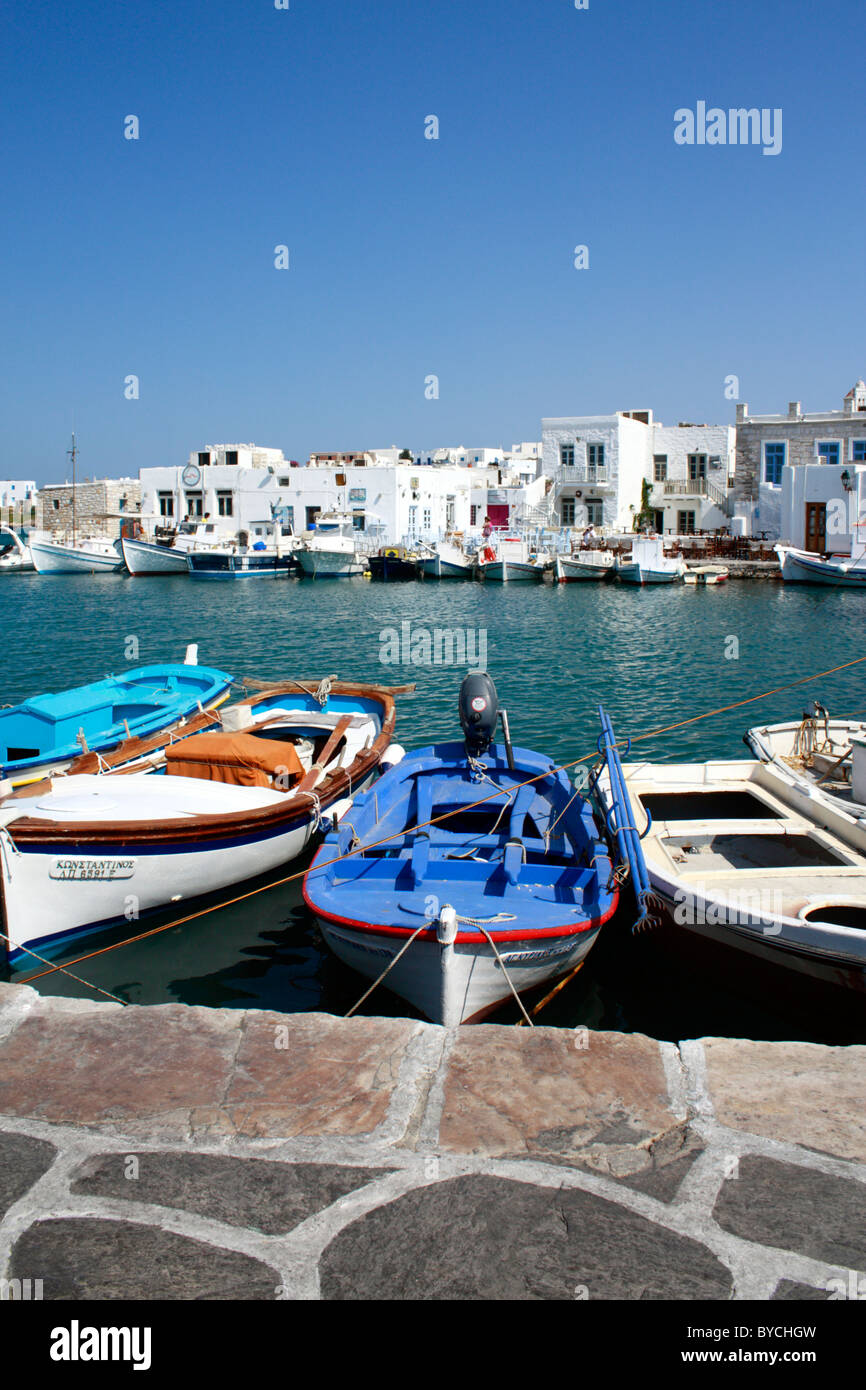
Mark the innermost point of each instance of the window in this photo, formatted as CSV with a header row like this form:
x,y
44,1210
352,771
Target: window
x,y
204,460
660,467
427,519
473,514
595,512
413,520
685,523
358,521
166,504
858,452
283,482
697,467
449,513
312,513
595,455
828,453
566,455
225,504
232,457
194,504
56,504
774,462
567,511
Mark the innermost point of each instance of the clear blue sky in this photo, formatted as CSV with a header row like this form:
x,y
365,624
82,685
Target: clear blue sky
x,y
409,256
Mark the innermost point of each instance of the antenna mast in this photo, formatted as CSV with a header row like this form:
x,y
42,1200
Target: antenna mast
x,y
72,452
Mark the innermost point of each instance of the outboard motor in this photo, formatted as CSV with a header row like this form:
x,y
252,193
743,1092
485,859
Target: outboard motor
x,y
479,712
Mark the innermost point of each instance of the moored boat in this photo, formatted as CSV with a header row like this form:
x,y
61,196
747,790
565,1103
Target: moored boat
x,y
92,556
808,567
447,560
332,551
509,559
393,562
461,894
648,564
705,574
46,733
823,755
583,565
753,879
216,809
15,557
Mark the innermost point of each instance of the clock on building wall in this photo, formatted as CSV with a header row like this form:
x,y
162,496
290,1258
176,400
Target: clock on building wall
x,y
191,475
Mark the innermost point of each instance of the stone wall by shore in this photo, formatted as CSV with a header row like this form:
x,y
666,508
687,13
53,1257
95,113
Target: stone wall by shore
x,y
174,1152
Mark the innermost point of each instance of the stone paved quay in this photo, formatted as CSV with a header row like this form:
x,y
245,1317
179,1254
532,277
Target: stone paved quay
x,y
171,1152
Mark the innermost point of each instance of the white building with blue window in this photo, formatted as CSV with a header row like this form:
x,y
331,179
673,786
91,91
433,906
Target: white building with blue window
x,y
795,470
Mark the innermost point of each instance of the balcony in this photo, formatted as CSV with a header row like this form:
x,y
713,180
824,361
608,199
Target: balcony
x,y
583,473
690,487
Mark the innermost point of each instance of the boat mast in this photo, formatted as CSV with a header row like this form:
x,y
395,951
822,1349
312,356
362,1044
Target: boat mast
x,y
71,452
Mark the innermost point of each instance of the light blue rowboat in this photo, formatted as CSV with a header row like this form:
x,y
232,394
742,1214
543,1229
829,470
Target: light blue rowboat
x,y
45,733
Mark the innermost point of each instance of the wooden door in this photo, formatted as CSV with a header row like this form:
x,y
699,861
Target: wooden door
x,y
816,527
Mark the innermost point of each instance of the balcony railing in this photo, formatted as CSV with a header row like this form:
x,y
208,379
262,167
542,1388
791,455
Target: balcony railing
x,y
583,473
692,487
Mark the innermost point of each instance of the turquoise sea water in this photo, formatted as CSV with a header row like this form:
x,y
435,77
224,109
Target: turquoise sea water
x,y
655,657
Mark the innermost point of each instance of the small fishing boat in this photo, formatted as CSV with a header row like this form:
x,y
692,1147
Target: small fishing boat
x,y
95,555
446,560
808,567
648,564
823,755
90,851
393,562
15,557
269,562
585,564
332,550
166,551
753,877
469,873
45,734
509,559
705,574
70,554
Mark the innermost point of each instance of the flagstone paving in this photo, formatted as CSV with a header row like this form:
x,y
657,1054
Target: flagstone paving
x,y
191,1153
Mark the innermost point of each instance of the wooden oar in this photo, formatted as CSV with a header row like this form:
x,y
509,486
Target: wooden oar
x,y
311,779
831,770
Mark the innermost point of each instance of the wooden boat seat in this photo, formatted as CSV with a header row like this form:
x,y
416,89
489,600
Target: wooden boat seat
x,y
237,759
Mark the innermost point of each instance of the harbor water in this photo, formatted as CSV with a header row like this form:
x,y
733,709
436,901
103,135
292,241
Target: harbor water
x,y
655,657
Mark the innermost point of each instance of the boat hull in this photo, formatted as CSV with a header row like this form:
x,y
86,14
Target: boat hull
x,y
329,564
225,567
459,984
510,572
143,557
803,567
629,573
437,568
49,558
570,570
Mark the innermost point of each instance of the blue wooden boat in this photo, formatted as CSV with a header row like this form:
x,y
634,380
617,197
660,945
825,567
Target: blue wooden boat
x,y
46,733
470,872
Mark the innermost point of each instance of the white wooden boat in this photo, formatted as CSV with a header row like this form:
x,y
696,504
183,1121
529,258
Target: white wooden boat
x,y
446,560
747,868
705,574
807,567
92,556
585,564
509,559
824,756
89,851
648,564
332,550
15,557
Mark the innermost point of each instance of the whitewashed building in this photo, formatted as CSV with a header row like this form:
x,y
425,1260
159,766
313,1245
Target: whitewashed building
x,y
823,444
13,493
597,464
606,469
692,477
